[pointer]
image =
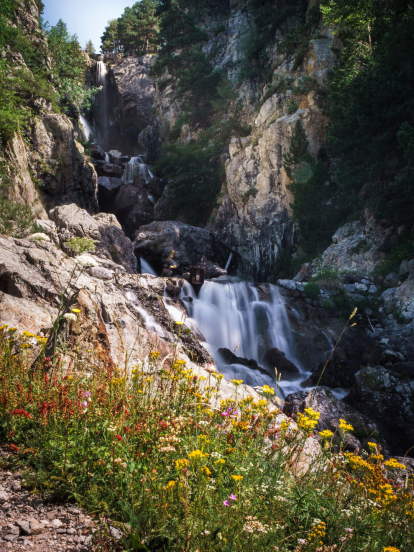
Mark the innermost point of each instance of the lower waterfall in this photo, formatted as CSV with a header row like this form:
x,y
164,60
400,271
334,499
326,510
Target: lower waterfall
x,y
230,314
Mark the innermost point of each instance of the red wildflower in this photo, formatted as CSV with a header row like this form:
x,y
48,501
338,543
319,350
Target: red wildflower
x,y
13,448
118,437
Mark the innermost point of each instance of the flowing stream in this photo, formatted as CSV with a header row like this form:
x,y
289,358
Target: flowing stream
x,y
230,314
137,167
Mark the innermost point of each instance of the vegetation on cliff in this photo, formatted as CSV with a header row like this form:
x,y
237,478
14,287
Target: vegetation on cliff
x,y
178,469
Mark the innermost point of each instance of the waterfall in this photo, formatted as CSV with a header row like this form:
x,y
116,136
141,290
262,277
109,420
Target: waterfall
x,y
146,268
86,128
101,80
107,158
230,315
137,167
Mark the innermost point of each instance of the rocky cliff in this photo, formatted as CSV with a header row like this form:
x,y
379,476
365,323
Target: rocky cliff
x,y
46,162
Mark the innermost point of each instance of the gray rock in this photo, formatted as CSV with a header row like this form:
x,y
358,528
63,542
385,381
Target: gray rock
x,y
360,287
287,284
24,527
36,527
4,497
101,273
392,280
117,535
277,359
56,524
175,244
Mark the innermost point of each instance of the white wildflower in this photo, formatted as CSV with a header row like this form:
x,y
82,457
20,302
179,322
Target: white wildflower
x,y
86,260
70,316
39,237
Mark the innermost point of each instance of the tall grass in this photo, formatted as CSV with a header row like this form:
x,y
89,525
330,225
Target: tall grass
x,y
179,469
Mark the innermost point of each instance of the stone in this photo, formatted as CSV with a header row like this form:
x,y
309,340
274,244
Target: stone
x,y
24,527
56,524
115,533
392,280
36,527
97,152
230,358
101,273
275,358
175,244
133,208
4,497
114,155
108,169
110,241
107,191
287,284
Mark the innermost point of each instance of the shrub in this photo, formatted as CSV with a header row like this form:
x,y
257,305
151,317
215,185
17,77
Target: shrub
x,y
81,245
251,192
312,290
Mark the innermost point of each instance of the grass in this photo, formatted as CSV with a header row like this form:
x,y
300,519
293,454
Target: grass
x,y
178,469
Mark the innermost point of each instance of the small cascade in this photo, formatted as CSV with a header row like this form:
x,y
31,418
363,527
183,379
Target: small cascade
x,y
137,167
86,128
101,80
146,268
107,158
230,315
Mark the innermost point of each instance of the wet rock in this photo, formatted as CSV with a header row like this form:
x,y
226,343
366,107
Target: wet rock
x,y
115,155
101,273
175,244
277,359
108,169
97,153
230,358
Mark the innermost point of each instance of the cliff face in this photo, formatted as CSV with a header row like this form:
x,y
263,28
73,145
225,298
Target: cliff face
x,y
46,162
253,216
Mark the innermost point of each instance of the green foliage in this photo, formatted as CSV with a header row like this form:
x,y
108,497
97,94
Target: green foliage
x,y
312,290
283,267
371,105
313,208
135,32
343,303
90,48
328,278
403,250
291,107
81,245
251,192
69,66
194,178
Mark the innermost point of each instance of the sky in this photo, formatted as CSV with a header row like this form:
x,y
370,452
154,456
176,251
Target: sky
x,y
86,18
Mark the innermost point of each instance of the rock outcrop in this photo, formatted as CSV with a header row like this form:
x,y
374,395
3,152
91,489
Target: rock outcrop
x,y
176,246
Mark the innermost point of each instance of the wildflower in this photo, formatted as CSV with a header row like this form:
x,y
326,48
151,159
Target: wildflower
x,y
206,471
179,323
253,525
266,390
70,316
85,404
237,477
391,549
326,434
226,503
372,447
111,428
87,394
76,311
394,464
344,426
170,485
236,382
354,313
181,464
233,497
197,455
205,532
118,437
123,464
117,460
225,414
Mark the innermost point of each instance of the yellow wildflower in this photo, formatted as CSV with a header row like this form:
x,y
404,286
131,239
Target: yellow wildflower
x,y
237,477
326,434
76,311
237,382
344,426
197,455
266,390
394,464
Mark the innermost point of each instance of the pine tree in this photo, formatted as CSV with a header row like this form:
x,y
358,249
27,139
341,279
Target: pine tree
x,y
110,41
298,149
90,48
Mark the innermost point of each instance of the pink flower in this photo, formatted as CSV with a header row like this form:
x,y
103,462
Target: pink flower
x,y
87,394
233,497
226,503
84,404
224,413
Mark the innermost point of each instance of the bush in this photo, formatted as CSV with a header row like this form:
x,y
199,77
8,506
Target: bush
x,y
312,290
152,451
81,245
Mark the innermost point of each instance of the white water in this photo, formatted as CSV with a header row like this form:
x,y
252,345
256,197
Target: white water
x,y
107,158
230,315
137,167
146,268
87,129
101,75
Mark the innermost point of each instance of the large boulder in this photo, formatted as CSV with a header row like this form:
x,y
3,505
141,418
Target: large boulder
x,y
230,358
387,395
332,410
277,359
133,208
107,191
110,241
178,245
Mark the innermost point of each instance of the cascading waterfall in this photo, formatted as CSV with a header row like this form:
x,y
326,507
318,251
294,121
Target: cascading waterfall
x,y
137,167
146,268
230,315
86,127
101,75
